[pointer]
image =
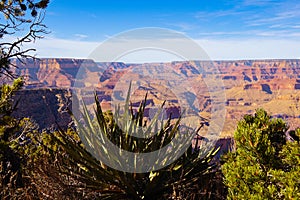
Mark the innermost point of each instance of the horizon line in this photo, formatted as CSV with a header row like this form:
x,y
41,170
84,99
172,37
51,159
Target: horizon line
x,y
161,62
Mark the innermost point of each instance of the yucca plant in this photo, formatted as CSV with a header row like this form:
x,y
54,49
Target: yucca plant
x,y
81,162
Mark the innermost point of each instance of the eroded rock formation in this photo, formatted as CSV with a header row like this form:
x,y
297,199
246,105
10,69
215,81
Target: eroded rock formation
x,y
248,85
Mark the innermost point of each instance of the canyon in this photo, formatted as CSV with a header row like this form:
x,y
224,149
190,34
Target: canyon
x,y
200,87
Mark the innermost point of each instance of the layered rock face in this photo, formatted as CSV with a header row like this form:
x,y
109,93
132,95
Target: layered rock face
x,y
269,84
46,107
247,85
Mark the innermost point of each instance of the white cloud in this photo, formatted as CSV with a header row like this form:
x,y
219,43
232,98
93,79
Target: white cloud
x,y
251,49
217,49
206,16
80,36
284,13
63,48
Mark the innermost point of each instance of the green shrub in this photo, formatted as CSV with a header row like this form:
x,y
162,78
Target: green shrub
x,y
265,165
14,163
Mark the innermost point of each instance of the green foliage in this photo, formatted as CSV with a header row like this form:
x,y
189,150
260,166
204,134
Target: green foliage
x,y
6,92
23,152
265,165
72,168
8,125
11,130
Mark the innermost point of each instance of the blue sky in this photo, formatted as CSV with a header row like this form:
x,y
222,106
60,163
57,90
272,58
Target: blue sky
x,y
237,29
